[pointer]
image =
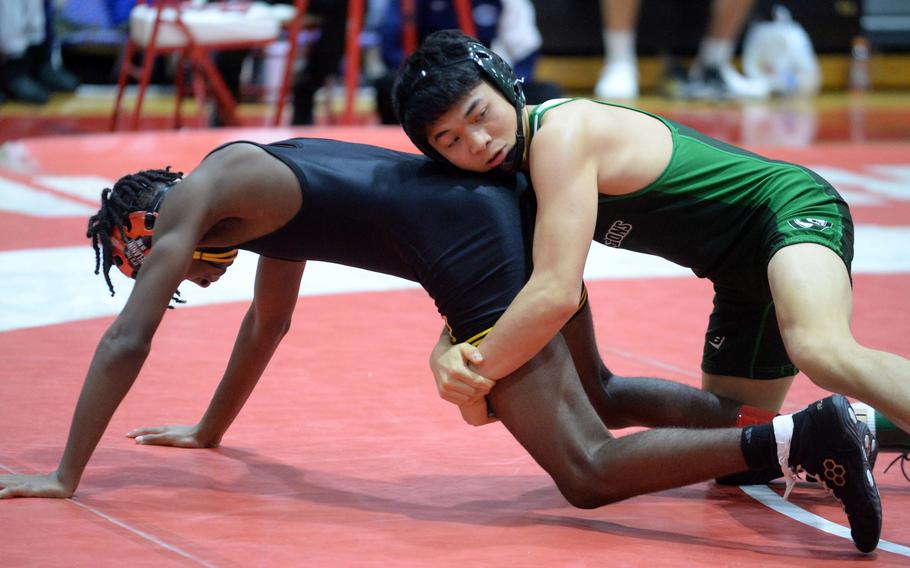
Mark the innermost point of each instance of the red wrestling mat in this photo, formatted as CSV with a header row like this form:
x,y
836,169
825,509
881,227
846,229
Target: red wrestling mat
x,y
345,456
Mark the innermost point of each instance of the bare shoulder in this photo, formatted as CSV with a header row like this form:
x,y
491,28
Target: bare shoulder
x,y
625,148
571,132
243,177
243,164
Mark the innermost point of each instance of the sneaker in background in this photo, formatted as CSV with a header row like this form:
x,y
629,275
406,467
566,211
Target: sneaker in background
x,y
618,80
722,83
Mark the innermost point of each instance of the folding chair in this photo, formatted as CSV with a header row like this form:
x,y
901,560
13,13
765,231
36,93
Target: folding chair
x,y
193,33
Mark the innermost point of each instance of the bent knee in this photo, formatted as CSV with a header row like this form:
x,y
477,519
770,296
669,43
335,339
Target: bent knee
x,y
589,497
589,486
828,363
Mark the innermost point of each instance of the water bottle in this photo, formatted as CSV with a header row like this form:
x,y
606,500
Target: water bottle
x,y
859,65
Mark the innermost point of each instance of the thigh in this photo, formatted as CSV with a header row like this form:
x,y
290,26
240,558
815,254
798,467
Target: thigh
x,y
578,333
811,288
594,375
545,408
766,394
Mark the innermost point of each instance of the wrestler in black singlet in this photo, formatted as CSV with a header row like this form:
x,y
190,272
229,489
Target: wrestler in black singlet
x,y
461,236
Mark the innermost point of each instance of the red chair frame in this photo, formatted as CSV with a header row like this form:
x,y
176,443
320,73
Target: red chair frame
x,y
409,31
198,57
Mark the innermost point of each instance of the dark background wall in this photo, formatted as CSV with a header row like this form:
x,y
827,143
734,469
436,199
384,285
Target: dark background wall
x,y
572,27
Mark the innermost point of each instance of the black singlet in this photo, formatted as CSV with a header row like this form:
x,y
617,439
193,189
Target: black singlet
x,y
460,236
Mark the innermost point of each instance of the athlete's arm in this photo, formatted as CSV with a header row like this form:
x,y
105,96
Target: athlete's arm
x,y
265,324
457,382
564,174
124,346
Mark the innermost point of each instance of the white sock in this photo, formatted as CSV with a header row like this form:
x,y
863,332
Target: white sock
x,y
783,434
619,46
715,52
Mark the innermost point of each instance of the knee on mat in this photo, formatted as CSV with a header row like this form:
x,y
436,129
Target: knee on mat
x,y
585,488
587,497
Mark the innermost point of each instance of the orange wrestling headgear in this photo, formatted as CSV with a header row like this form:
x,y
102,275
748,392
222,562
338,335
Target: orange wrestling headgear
x,y
133,242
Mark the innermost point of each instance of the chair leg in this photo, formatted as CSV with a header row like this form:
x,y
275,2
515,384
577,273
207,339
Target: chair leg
x,y
122,78
465,20
226,103
352,71
300,7
409,26
148,62
179,90
200,93
286,79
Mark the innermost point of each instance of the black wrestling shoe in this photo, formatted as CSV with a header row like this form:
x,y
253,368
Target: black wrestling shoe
x,y
870,443
769,474
828,445
751,477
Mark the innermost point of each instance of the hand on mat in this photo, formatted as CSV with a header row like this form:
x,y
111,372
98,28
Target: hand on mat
x,y
177,436
456,381
33,486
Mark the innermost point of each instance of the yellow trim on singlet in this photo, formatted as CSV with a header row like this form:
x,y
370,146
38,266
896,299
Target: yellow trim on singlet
x,y
584,298
477,338
226,257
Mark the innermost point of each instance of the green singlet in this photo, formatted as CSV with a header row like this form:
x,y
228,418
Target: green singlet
x,y
723,212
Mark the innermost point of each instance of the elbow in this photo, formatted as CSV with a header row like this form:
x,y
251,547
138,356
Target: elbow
x,y
283,328
267,324
561,301
276,330
126,343
131,348
568,306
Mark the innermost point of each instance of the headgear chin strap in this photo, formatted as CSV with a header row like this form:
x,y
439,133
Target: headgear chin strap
x,y
131,243
503,78
516,156
501,75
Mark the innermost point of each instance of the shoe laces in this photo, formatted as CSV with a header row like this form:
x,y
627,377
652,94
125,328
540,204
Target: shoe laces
x,y
903,459
792,476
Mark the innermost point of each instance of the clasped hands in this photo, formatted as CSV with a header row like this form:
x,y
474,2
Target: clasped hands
x,y
459,383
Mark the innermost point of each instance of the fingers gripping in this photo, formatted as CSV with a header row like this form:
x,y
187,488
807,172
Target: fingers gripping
x,y
456,380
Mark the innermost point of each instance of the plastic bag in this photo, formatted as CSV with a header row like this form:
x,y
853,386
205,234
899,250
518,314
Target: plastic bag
x,y
780,53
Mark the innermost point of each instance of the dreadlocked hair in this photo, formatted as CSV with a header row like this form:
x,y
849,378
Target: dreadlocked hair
x,y
132,192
